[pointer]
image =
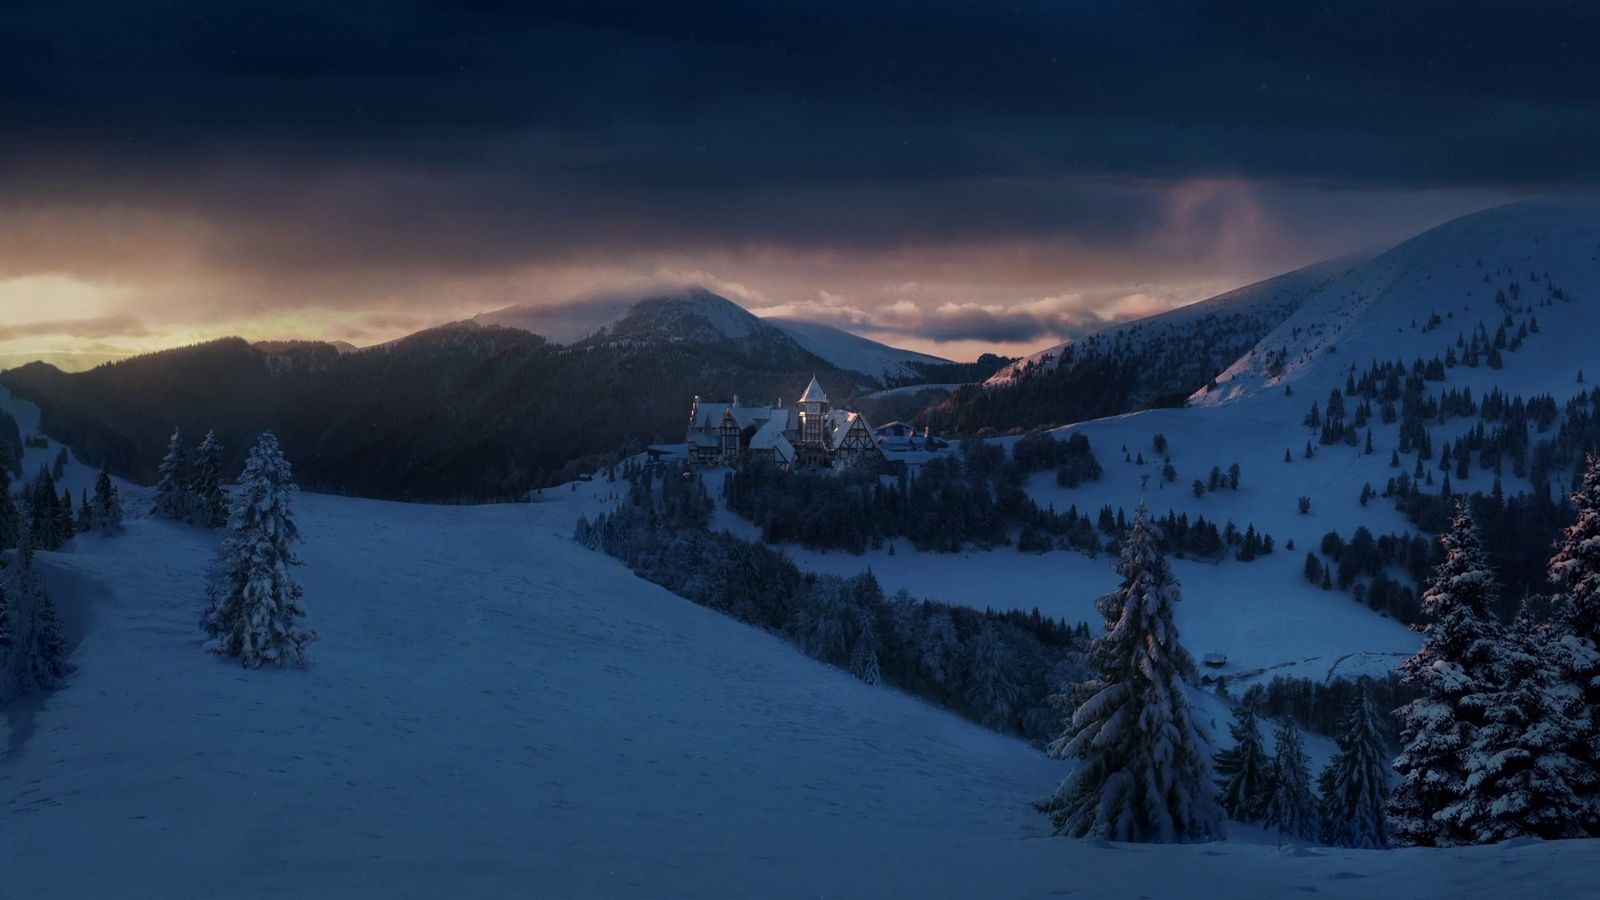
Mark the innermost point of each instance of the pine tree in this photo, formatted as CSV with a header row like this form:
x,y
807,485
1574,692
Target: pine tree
x,y
43,522
253,601
172,495
1355,783
208,501
107,506
34,650
1291,807
1143,772
1243,770
991,688
1521,777
85,513
10,517
66,519
1452,669
1575,570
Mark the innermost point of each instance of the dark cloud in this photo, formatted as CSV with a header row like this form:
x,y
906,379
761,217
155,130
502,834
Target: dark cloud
x,y
326,153
742,94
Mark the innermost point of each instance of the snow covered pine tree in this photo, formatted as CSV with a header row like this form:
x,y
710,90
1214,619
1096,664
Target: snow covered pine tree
x,y
31,644
254,603
1291,807
1356,782
1453,670
1243,770
107,506
208,503
1143,771
1521,777
172,496
1575,570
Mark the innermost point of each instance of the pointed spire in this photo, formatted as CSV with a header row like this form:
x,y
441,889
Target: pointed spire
x,y
814,393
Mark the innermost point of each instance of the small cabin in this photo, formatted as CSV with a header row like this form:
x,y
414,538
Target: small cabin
x,y
1215,660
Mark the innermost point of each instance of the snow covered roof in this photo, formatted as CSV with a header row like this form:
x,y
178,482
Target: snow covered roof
x,y
707,416
814,393
771,436
838,424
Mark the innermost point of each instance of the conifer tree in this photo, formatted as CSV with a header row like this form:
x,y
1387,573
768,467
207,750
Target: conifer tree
x,y
33,650
254,604
1291,807
1243,770
66,519
10,517
1143,756
43,524
1521,777
107,506
172,495
85,512
1355,783
208,501
1452,669
1575,570
991,689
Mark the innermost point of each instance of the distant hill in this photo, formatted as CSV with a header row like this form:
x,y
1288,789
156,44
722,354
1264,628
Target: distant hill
x,y
465,411
660,317
1158,361
850,351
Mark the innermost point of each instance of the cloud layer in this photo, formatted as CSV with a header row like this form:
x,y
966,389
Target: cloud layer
x,y
1033,169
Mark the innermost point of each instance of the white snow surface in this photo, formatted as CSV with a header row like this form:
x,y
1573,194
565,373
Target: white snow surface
x,y
1263,615
1271,299
494,711
76,476
1379,310
853,352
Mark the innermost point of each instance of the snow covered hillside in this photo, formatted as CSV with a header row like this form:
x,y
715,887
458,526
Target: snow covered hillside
x,y
1264,615
1157,361
850,351
76,476
1538,259
493,711
1252,308
676,314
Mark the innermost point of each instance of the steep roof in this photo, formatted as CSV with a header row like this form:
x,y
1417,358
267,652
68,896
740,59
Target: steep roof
x,y
814,393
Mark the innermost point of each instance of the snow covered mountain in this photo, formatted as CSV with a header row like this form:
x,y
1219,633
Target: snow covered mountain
x,y
477,410
689,313
1507,300
1149,362
1508,265
698,314
1183,331
851,351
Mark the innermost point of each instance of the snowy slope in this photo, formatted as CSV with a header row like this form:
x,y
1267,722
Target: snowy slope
x,y
1255,307
76,476
496,712
570,323
850,351
1263,615
1380,310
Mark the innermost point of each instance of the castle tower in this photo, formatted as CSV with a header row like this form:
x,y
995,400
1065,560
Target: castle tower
x,y
813,413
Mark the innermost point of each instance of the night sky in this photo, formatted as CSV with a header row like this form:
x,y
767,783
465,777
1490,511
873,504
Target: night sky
x,y
950,177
